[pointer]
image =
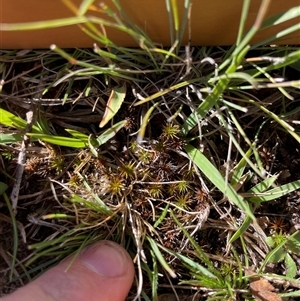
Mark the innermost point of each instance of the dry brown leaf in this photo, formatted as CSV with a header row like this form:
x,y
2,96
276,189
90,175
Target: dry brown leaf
x,y
263,290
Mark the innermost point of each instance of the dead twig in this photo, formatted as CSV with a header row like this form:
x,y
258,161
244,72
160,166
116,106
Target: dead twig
x,y
22,159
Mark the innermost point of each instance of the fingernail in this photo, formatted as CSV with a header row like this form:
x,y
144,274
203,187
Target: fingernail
x,y
106,258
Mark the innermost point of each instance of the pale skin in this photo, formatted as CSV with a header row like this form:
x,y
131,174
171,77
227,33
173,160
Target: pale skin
x,y
102,272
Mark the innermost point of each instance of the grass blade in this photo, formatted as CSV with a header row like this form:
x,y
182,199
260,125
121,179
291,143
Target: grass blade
x,y
171,22
160,258
239,168
145,121
111,132
212,271
78,135
264,185
11,120
14,121
276,192
245,225
284,124
43,24
245,10
84,7
172,88
3,188
174,9
212,98
10,138
287,15
59,140
217,179
186,16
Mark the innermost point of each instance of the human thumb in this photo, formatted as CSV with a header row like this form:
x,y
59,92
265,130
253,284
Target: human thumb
x,y
104,271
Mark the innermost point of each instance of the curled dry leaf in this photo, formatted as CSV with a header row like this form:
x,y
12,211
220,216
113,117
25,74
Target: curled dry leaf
x,y
263,290
114,103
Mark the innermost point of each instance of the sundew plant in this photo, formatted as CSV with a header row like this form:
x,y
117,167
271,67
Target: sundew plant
x,y
187,156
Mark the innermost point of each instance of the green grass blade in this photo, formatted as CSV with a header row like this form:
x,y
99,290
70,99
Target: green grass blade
x,y
67,22
160,257
212,98
243,76
91,68
111,132
279,35
3,188
284,124
292,13
276,192
217,179
245,225
60,240
59,140
290,294
172,88
11,120
205,106
212,271
287,15
272,80
78,135
186,15
42,125
145,121
116,57
103,207
263,185
84,6
174,9
244,14
171,22
92,205
240,168
203,281
196,266
43,24
162,216
10,138
68,90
